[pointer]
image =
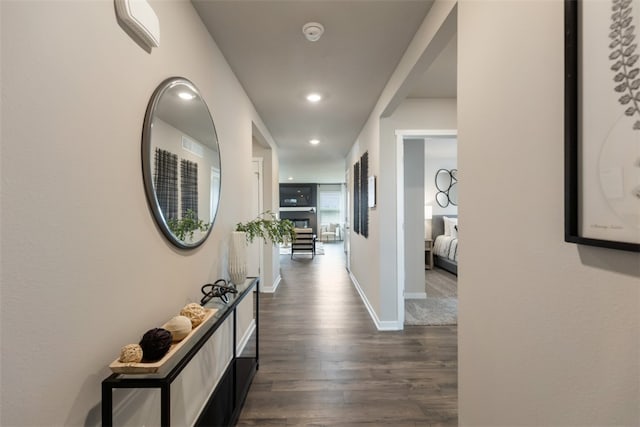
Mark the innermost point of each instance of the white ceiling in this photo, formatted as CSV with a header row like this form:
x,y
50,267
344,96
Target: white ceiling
x,y
363,42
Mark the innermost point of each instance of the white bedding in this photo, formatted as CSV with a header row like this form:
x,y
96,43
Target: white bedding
x,y
446,247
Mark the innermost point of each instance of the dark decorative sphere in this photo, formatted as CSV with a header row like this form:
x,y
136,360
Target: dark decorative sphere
x,y
155,344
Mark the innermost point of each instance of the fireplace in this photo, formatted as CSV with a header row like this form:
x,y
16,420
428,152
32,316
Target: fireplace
x,y
300,222
301,218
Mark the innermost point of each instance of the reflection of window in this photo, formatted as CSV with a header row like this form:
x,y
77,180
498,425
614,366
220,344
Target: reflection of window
x,y
165,181
189,187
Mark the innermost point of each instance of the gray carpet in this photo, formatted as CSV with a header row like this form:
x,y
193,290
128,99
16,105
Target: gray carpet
x,y
441,305
431,311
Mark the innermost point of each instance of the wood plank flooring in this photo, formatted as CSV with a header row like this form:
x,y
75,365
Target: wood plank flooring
x,y
323,363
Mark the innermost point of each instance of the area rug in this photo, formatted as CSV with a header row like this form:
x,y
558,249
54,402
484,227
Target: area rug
x,y
431,311
286,250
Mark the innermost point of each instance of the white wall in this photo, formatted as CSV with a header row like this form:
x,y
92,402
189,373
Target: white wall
x,y
85,269
549,332
414,224
436,159
271,201
319,172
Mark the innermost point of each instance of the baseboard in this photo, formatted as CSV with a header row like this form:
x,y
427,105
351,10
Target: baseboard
x,y
271,289
415,295
386,325
246,337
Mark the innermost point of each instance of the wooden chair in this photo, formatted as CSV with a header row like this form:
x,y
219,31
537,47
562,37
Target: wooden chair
x,y
305,241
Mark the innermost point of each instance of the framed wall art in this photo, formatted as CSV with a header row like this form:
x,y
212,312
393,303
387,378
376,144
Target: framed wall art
x,y
602,123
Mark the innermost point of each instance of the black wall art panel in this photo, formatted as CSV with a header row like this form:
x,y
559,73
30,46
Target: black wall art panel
x,y
364,195
356,197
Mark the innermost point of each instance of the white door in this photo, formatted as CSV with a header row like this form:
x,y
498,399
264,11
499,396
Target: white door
x,y
254,262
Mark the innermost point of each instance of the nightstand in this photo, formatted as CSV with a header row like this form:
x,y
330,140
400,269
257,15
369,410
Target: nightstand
x,y
428,254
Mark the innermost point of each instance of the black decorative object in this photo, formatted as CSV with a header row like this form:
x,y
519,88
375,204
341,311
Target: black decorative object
x,y
155,344
218,289
602,126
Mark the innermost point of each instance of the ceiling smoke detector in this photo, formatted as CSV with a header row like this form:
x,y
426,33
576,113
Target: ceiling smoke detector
x,y
312,31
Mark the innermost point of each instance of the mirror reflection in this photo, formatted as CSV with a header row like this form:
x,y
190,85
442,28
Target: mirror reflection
x,y
181,163
443,180
453,194
442,199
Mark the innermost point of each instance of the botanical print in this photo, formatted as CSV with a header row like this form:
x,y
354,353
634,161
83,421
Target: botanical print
x,y
609,67
624,57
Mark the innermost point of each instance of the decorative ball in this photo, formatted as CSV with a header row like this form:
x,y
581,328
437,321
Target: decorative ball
x,y
130,353
179,326
155,344
194,312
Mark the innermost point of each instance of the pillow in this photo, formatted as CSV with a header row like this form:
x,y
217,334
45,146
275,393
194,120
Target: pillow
x,y
448,224
454,230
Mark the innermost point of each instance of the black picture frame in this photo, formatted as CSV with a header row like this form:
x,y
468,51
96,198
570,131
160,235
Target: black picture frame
x,y
574,189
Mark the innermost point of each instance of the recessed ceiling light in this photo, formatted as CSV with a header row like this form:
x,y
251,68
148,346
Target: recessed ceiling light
x,y
314,97
290,178
186,96
314,141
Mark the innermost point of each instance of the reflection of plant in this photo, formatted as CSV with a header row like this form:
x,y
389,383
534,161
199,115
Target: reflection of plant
x,y
269,227
623,53
186,225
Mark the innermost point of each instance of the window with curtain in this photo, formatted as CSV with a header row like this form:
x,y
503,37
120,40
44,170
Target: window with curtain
x,y
189,186
165,181
330,204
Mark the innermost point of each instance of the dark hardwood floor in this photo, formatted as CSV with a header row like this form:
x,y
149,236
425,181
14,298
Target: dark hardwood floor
x,y
322,361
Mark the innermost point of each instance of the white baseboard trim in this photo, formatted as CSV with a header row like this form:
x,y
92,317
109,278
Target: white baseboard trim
x,y
386,325
271,289
246,337
415,295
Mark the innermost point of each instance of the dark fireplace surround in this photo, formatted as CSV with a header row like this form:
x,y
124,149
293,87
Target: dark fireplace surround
x,y
302,218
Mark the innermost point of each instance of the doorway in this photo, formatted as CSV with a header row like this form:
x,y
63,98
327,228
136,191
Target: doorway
x,y
406,262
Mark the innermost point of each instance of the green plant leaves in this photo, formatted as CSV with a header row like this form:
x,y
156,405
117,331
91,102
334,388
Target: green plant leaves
x,y
269,227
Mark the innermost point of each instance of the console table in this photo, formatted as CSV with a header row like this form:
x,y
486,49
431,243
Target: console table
x,y
225,402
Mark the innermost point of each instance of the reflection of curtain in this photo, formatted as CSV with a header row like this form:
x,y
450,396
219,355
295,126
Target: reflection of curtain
x,y
189,186
165,181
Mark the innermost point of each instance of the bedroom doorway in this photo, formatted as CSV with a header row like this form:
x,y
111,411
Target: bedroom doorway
x,y
427,289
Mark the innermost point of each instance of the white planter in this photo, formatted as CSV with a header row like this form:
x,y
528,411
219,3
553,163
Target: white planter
x,y
238,257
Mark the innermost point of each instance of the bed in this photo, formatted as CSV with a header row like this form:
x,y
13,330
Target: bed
x,y
445,245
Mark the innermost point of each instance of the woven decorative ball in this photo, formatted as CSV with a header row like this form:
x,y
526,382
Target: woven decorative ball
x,y
130,353
194,312
179,326
155,344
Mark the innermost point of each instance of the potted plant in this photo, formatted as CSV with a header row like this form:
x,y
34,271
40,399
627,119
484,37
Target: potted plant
x,y
265,225
269,227
187,225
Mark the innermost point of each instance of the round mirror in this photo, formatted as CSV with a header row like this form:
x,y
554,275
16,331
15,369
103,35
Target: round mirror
x,y
454,174
453,194
442,199
181,162
443,180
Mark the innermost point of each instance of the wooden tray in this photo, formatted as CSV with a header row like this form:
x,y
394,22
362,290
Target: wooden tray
x,y
154,367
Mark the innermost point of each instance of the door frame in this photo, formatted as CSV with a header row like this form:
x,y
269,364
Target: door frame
x,y
258,163
401,134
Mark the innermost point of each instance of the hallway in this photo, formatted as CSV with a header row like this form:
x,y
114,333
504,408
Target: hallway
x,y
323,362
